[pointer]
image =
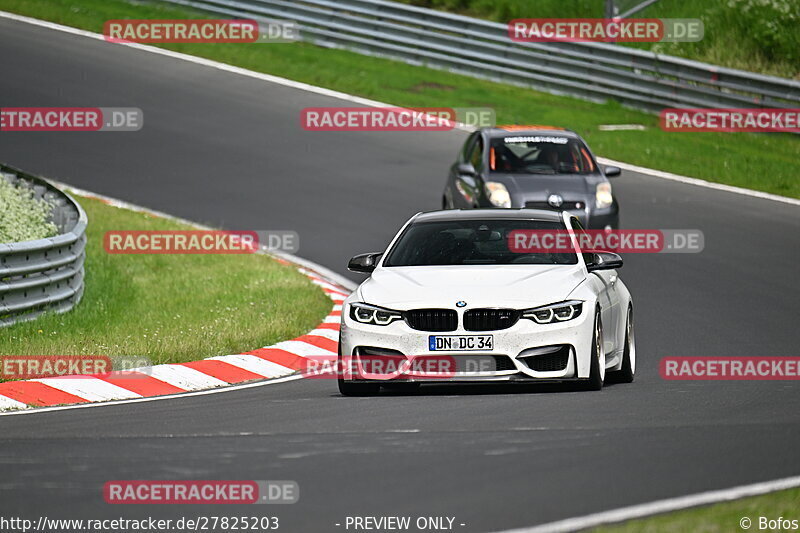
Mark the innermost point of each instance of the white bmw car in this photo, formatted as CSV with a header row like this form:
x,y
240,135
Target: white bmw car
x,y
452,300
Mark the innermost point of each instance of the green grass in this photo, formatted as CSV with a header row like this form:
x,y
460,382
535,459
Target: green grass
x,y
171,308
718,518
756,35
24,218
767,162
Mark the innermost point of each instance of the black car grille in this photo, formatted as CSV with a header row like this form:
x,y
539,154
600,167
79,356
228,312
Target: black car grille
x,y
566,206
432,319
490,319
504,363
551,362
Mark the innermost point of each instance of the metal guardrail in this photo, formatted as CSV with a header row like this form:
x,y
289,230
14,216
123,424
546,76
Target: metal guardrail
x,y
482,49
45,274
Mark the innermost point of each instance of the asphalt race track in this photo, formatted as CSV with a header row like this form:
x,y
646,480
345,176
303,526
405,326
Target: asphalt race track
x,y
228,150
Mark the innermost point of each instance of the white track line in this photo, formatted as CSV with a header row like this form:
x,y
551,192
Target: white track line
x,y
661,506
91,389
698,182
366,102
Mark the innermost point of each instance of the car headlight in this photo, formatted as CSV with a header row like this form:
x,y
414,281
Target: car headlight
x,y
497,194
560,312
603,196
372,314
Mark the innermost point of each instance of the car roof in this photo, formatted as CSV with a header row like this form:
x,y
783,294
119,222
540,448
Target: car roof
x,y
489,214
531,129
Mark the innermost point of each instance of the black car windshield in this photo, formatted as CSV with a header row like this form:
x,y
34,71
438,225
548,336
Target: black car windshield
x,y
470,242
540,154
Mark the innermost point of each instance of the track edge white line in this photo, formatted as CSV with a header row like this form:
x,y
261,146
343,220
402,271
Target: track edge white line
x,y
623,514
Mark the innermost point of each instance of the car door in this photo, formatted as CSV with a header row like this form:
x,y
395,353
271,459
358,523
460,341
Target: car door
x,y
605,282
613,323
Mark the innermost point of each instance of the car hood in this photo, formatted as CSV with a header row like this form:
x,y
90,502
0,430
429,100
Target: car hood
x,y
542,185
518,286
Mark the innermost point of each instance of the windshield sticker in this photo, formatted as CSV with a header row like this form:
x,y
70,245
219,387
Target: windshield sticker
x,y
536,139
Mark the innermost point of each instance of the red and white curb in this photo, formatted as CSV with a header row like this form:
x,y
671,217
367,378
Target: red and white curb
x,y
270,362
280,360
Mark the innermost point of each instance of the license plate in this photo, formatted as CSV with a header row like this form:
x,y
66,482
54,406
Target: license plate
x,y
460,343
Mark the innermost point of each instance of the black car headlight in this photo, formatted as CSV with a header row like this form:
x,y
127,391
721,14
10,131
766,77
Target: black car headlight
x,y
372,314
560,312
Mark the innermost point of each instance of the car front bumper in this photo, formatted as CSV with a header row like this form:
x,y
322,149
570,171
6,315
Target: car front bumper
x,y
602,218
606,218
527,351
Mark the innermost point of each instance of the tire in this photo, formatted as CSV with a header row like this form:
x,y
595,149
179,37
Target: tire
x,y
597,367
626,373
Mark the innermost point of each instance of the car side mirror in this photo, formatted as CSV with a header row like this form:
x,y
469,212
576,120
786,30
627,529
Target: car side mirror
x,y
465,169
364,263
611,172
604,261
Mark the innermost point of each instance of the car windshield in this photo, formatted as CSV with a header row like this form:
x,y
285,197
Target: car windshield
x,y
470,242
540,154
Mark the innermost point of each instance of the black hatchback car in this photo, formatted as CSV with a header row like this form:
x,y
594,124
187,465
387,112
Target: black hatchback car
x,y
540,167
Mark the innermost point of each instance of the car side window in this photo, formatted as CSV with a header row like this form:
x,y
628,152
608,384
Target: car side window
x,y
466,150
586,161
476,157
